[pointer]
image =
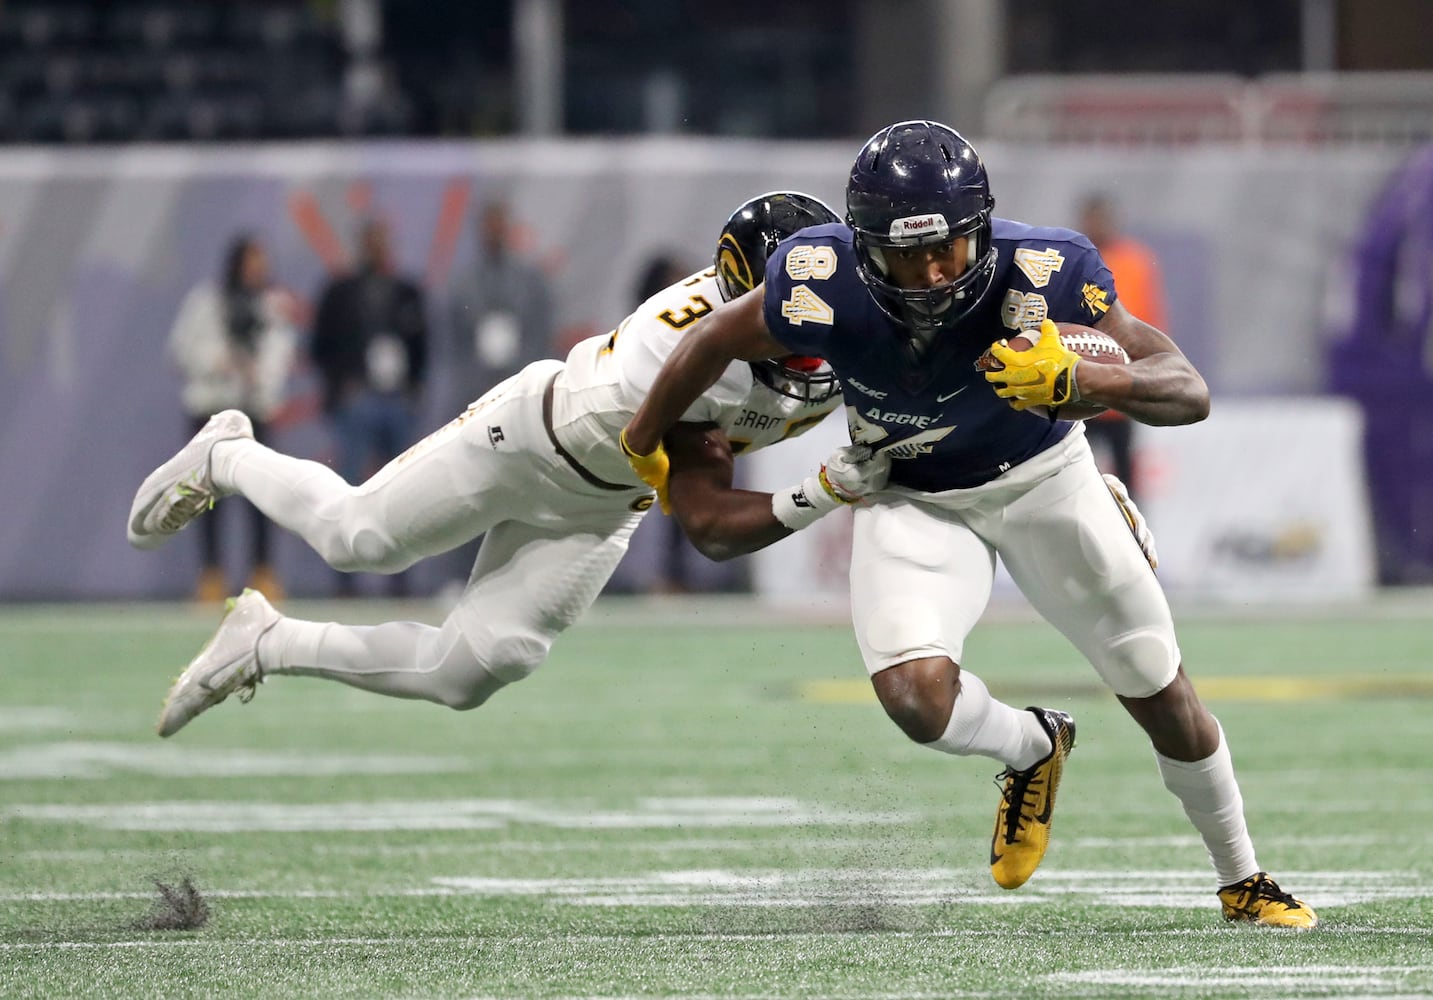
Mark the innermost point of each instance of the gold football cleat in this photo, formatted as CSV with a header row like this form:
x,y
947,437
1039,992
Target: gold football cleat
x,y
1027,802
1259,900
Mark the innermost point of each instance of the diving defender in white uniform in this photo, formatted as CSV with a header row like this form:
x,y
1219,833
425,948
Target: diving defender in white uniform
x,y
536,466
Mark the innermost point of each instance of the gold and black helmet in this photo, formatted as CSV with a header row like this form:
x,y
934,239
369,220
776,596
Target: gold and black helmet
x,y
751,234
749,237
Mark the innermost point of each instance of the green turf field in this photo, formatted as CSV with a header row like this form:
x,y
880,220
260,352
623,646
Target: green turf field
x,y
701,809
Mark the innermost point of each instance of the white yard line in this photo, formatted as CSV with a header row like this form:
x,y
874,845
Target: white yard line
x,y
1319,978
72,759
1186,889
584,844
428,940
736,812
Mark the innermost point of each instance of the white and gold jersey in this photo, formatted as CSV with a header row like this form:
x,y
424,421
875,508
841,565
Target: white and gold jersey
x,y
606,378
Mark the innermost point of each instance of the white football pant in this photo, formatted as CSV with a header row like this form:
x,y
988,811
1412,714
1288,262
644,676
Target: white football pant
x,y
552,541
922,567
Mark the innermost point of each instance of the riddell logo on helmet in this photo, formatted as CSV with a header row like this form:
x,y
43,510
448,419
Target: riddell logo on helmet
x,y
919,227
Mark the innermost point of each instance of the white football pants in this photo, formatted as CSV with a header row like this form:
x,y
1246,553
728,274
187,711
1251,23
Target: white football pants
x,y
552,541
922,567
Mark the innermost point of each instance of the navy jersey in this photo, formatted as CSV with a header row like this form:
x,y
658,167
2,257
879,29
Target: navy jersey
x,y
937,417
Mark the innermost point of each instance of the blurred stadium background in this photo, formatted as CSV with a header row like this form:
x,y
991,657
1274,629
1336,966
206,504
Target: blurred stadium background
x,y
1275,157
703,798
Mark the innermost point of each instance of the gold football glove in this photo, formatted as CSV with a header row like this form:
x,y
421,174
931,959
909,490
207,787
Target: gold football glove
x,y
1042,376
654,469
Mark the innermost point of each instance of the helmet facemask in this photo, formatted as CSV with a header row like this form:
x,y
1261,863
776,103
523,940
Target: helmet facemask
x,y
809,380
928,310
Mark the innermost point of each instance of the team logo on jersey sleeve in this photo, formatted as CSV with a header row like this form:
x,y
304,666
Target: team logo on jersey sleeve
x,y
1038,265
1095,298
805,306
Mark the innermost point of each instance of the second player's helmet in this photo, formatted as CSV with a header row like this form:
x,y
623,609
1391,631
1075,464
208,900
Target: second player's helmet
x,y
752,232
750,237
916,184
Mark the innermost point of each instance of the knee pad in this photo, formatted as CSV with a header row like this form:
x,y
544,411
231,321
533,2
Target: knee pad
x,y
470,682
371,551
473,690
1140,663
896,631
455,672
513,658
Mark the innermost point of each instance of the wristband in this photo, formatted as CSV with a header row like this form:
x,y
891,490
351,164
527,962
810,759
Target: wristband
x,y
802,505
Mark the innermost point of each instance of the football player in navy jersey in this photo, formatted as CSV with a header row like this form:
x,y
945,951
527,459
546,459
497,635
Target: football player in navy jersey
x,y
902,300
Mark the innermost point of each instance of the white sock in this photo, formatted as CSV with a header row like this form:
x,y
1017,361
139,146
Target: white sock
x,y
398,659
981,726
1210,795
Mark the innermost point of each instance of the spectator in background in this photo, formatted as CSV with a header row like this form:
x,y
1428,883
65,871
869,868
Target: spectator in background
x,y
1141,289
236,348
501,319
502,312
370,344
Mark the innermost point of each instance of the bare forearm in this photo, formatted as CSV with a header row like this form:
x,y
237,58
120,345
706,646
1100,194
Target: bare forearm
x,y
1159,387
723,522
734,523
736,330
1162,390
688,373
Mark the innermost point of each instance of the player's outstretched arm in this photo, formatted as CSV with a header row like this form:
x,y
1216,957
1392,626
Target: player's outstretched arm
x,y
1159,386
723,522
734,331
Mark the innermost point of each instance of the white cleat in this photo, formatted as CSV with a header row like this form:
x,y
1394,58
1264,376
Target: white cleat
x,y
228,663
181,489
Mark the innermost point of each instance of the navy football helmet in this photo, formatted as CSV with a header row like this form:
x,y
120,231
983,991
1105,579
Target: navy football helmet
x,y
749,237
919,183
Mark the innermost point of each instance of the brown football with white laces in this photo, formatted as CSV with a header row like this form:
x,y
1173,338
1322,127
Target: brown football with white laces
x,y
1090,344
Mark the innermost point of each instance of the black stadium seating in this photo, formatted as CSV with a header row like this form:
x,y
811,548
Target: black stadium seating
x,y
103,72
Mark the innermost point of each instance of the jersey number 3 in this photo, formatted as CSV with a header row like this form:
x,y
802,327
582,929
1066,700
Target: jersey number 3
x,y
689,315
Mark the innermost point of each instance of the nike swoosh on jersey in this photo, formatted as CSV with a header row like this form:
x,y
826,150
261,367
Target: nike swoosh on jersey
x,y
952,395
